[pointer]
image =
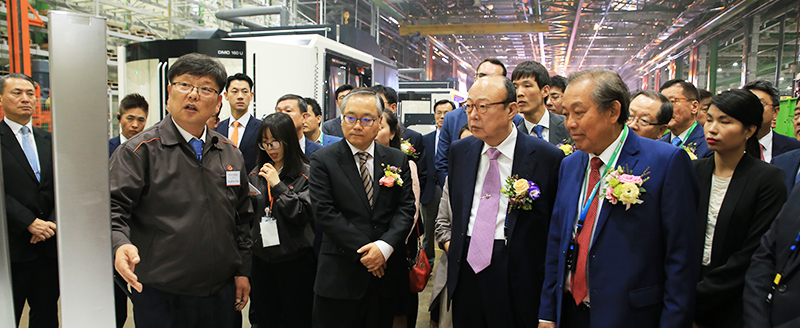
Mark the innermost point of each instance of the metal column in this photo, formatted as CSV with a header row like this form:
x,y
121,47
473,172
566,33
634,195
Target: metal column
x,y
7,318
693,66
702,67
779,56
79,74
750,49
713,51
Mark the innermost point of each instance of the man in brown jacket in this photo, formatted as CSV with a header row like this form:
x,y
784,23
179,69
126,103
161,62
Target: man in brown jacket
x,y
180,210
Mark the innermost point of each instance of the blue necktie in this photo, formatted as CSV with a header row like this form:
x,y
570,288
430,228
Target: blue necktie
x,y
676,142
538,130
796,179
197,145
27,147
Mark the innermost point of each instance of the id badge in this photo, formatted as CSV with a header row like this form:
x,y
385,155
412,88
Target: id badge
x,y
232,178
269,230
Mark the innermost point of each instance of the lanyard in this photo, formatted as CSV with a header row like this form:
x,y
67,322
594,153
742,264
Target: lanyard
x,y
269,193
778,276
691,128
585,207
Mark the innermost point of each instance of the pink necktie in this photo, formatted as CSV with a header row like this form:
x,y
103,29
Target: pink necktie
x,y
479,254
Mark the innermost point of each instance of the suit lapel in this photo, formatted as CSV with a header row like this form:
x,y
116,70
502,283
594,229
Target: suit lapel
x,y
795,167
471,160
524,164
377,169
572,182
250,132
704,171
222,127
12,144
734,192
348,164
43,148
628,158
697,136
522,128
557,130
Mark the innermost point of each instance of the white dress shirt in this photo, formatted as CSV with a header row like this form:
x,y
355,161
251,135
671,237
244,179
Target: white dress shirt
x,y
544,121
385,248
683,135
303,144
504,163
719,187
766,146
17,129
188,136
122,138
242,124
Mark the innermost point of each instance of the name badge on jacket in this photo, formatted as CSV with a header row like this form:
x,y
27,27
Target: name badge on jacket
x,y
232,178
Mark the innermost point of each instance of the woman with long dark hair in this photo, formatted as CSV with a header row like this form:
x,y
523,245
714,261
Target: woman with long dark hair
x,y
389,135
739,198
284,267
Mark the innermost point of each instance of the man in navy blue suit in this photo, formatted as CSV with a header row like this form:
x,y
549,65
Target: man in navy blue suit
x,y
790,164
456,119
497,249
241,128
772,143
311,125
684,129
296,107
132,117
333,127
432,189
610,265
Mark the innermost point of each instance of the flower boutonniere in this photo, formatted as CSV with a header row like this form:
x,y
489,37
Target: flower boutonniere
x,y
391,176
623,186
521,193
407,148
567,146
691,149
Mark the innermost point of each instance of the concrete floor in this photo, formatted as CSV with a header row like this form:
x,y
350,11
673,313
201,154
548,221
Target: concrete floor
x,y
423,316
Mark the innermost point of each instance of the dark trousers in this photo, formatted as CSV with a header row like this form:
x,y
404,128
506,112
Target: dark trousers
x,y
371,311
429,212
153,308
120,301
484,299
37,282
574,316
282,294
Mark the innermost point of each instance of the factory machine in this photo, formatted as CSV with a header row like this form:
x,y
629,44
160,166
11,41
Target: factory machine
x,y
417,98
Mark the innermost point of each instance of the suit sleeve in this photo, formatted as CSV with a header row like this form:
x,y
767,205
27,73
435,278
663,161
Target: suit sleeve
x,y
727,280
19,217
328,217
547,302
442,150
681,258
443,218
293,204
758,280
402,218
127,171
244,218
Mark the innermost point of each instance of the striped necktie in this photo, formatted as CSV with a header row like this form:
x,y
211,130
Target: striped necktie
x,y
365,178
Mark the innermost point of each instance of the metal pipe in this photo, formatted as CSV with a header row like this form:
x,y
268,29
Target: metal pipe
x,y
273,32
573,34
411,70
779,57
234,15
713,52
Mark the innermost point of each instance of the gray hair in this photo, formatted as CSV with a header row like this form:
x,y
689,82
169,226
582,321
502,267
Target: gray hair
x,y
608,87
367,92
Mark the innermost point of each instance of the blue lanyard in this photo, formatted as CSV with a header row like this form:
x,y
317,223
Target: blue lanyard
x,y
796,242
585,208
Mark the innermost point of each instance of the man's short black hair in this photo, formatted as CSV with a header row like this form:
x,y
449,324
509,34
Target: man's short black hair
x,y
239,77
494,61
444,101
131,101
767,87
315,108
389,93
300,101
531,69
199,65
342,88
15,76
704,94
689,90
559,82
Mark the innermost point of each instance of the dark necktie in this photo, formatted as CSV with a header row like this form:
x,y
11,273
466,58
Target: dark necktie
x,y
197,145
584,238
365,178
479,255
538,130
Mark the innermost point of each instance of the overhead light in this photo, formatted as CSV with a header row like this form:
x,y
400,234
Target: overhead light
x,y
735,64
719,69
781,78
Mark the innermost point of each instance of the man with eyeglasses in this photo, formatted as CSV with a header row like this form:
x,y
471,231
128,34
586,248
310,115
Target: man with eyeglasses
x,y
684,129
496,251
241,128
181,211
772,143
557,85
650,113
333,126
454,120
296,107
365,217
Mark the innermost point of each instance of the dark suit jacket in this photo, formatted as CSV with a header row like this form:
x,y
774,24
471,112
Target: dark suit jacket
x,y
754,197
328,140
333,127
534,160
248,145
643,262
343,213
558,133
113,143
698,138
26,198
782,144
772,256
453,121
426,163
788,162
311,147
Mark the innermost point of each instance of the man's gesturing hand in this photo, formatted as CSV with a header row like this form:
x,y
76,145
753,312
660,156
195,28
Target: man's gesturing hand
x,y
125,260
372,258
